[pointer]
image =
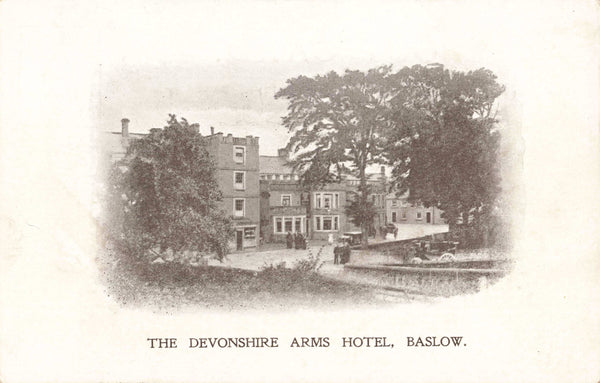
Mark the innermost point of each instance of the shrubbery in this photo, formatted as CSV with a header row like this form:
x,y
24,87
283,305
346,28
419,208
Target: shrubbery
x,y
163,198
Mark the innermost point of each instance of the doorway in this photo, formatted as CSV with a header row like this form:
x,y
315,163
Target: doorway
x,y
428,217
239,239
393,216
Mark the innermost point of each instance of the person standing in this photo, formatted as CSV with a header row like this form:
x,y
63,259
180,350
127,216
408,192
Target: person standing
x,y
289,240
330,239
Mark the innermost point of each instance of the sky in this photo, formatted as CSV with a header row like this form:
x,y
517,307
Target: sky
x,y
224,70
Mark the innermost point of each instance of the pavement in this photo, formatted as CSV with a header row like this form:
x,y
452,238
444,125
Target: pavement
x,y
256,260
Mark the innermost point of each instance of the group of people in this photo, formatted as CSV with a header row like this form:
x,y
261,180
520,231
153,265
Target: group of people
x,y
341,254
296,241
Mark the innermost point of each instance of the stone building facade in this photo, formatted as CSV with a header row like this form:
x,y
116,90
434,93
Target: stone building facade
x,y
266,201
287,207
237,172
399,210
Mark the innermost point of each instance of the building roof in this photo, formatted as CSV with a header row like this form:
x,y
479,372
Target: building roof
x,y
273,165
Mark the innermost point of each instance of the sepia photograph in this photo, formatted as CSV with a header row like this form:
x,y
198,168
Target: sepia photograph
x,y
267,191
379,185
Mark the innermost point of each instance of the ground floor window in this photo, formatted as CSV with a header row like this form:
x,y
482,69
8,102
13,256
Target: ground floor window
x,y
250,232
294,224
393,216
327,223
288,224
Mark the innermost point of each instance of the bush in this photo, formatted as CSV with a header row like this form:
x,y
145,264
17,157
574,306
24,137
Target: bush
x,y
164,197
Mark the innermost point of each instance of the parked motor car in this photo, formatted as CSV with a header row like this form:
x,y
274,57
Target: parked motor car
x,y
426,249
353,237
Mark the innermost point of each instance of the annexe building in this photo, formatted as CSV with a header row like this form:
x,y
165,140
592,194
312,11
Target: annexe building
x,y
399,210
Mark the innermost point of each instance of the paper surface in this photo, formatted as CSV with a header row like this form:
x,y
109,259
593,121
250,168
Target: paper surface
x,y
57,323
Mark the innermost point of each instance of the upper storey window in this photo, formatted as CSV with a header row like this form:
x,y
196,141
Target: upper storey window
x,y
239,154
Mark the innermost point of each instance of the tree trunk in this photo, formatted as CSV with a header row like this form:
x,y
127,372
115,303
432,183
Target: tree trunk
x,y
364,197
309,216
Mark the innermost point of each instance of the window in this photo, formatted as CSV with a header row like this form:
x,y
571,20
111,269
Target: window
x,y
394,203
327,223
238,207
250,232
403,214
239,180
286,200
284,225
419,215
393,216
239,154
327,200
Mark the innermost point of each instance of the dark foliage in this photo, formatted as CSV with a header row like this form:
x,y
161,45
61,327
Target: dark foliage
x,y
338,124
175,286
164,196
444,145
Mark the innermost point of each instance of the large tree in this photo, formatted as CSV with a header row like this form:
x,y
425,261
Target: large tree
x,y
338,125
445,141
165,197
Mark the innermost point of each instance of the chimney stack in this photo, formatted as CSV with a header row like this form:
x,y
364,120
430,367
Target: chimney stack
x,y
212,130
282,153
125,127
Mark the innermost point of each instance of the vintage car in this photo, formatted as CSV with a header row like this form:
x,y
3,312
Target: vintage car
x,y
353,237
426,249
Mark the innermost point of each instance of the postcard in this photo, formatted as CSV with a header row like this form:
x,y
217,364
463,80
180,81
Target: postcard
x,y
299,191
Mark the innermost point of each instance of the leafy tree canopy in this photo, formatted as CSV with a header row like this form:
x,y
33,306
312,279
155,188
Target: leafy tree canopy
x,y
338,125
445,141
167,196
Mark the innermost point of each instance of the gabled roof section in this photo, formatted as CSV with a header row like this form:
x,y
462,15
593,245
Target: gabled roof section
x,y
273,165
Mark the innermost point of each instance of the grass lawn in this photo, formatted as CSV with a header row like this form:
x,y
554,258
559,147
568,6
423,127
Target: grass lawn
x,y
172,286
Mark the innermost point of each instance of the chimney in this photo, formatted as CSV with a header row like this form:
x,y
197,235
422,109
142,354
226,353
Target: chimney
x,y
282,153
195,127
212,130
125,127
383,170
